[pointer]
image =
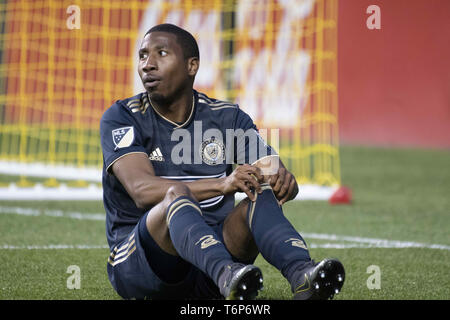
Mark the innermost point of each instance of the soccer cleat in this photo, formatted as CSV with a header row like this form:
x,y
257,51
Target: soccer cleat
x,y
319,281
240,282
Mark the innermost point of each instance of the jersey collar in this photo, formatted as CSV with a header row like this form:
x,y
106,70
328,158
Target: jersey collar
x,y
176,125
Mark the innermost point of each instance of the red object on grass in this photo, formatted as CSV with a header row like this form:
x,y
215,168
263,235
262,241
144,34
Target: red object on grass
x,y
343,195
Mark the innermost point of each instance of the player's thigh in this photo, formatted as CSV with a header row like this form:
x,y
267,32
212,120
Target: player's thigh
x,y
237,235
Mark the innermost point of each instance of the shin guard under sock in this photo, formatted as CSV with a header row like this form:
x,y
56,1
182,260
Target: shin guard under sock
x,y
277,240
194,239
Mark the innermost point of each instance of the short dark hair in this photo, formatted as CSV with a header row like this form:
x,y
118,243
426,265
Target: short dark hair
x,y
186,40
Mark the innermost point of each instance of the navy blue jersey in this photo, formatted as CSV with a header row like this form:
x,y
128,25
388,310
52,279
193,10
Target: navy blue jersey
x,y
216,135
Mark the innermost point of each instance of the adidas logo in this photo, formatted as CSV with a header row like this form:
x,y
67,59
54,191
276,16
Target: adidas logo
x,y
156,155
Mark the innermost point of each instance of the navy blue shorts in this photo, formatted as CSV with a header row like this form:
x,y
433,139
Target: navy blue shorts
x,y
132,276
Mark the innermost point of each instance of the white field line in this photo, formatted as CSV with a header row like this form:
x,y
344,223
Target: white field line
x,y
50,171
52,213
373,242
352,245
52,247
95,192
339,241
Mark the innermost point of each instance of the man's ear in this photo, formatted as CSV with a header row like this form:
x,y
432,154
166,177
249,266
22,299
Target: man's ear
x,y
193,65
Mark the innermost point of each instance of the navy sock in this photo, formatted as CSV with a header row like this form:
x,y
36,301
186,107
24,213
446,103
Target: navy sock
x,y
194,239
277,240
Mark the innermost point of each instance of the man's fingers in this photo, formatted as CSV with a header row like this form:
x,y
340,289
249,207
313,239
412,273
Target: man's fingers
x,y
250,175
279,182
251,181
288,194
247,191
285,187
273,180
258,174
255,171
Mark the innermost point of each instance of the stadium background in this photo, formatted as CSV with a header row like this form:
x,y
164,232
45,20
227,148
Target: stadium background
x,y
365,108
58,79
272,55
278,59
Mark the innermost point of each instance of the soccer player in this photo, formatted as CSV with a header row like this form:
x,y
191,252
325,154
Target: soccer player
x,y
169,184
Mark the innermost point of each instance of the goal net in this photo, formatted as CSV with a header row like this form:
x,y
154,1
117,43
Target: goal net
x,y
63,64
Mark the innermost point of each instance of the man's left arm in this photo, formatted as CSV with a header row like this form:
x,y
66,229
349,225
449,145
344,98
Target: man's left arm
x,y
283,182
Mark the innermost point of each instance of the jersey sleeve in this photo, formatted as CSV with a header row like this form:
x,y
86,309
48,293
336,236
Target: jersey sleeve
x,y
249,145
119,135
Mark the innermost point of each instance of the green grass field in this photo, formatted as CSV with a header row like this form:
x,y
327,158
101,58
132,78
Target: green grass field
x,y
399,221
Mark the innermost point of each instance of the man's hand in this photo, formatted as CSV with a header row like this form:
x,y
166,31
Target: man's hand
x,y
283,182
284,185
242,179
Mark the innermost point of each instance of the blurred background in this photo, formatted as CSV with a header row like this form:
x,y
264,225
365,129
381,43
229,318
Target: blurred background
x,y
394,83
313,69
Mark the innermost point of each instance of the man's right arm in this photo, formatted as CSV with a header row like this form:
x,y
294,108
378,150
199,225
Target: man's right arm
x,y
136,174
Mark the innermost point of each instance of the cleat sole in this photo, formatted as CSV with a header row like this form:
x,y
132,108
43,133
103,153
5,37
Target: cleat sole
x,y
247,286
330,280
321,282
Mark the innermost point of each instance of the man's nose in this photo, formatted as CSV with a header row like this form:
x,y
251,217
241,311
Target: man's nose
x,y
150,64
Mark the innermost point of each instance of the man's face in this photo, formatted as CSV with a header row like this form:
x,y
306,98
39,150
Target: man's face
x,y
162,67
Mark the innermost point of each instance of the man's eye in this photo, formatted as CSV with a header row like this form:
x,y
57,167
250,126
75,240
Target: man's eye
x,y
143,56
163,53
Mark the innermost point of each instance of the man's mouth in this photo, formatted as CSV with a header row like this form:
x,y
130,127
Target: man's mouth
x,y
151,82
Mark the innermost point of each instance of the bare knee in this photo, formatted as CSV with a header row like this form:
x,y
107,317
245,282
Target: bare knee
x,y
157,224
176,191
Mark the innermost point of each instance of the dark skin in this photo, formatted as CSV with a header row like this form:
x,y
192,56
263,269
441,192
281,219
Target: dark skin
x,y
168,78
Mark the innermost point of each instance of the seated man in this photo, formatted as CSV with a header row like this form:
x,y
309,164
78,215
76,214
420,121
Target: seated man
x,y
169,184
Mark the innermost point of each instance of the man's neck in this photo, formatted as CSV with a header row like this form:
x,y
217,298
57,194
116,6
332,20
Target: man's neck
x,y
178,110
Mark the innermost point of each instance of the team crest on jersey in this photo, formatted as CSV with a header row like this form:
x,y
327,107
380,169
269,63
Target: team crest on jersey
x,y
213,151
123,137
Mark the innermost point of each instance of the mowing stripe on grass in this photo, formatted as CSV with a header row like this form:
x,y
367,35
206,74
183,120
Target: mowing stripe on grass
x,y
349,241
